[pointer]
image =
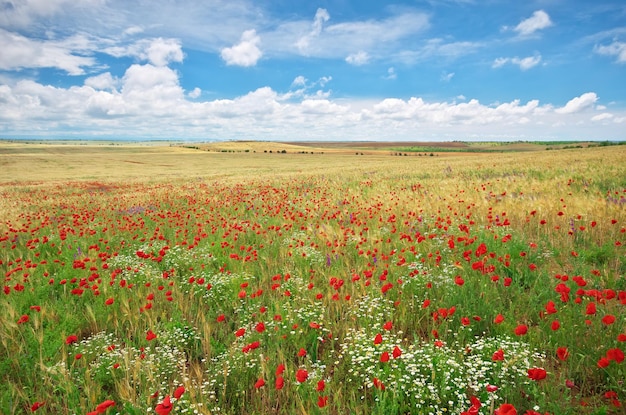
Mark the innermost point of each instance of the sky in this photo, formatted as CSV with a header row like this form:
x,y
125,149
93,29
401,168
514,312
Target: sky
x,y
406,70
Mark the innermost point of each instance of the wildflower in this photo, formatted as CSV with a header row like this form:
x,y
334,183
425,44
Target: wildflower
x,y
179,392
378,339
473,410
537,373
498,355
321,385
608,320
240,332
378,384
388,325
506,409
109,301
102,408
36,406
562,353
322,401
499,319
280,369
591,309
165,407
615,354
301,352
259,383
260,327
302,375
150,335
280,383
23,319
71,339
397,352
521,330
384,357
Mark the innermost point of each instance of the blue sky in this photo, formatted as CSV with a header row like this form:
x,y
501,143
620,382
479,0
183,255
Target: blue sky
x,y
313,70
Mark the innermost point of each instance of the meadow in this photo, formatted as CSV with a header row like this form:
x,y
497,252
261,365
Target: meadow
x,y
174,280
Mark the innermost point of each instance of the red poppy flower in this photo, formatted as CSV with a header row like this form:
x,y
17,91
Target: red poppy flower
x,y
280,382
603,362
302,375
591,309
498,355
384,357
615,354
521,330
322,401
240,332
388,325
165,407
321,385
608,319
506,409
378,384
150,335
378,339
537,373
109,301
280,369
71,339
36,406
562,353
397,352
23,319
102,408
301,352
259,383
179,392
499,319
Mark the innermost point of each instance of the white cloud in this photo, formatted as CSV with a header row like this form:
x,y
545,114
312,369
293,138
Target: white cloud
x,y
102,81
578,104
446,76
321,16
602,117
539,20
523,63
358,59
157,51
391,73
246,52
19,52
324,39
617,49
195,93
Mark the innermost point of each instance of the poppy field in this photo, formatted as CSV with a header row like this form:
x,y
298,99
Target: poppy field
x,y
250,283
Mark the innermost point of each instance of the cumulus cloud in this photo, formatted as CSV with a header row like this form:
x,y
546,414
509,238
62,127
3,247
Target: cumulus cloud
x,y
523,63
246,52
578,104
103,81
157,51
358,59
195,93
616,49
148,101
538,21
19,52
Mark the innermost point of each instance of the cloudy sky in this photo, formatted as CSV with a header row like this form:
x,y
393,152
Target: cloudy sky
x,y
313,70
